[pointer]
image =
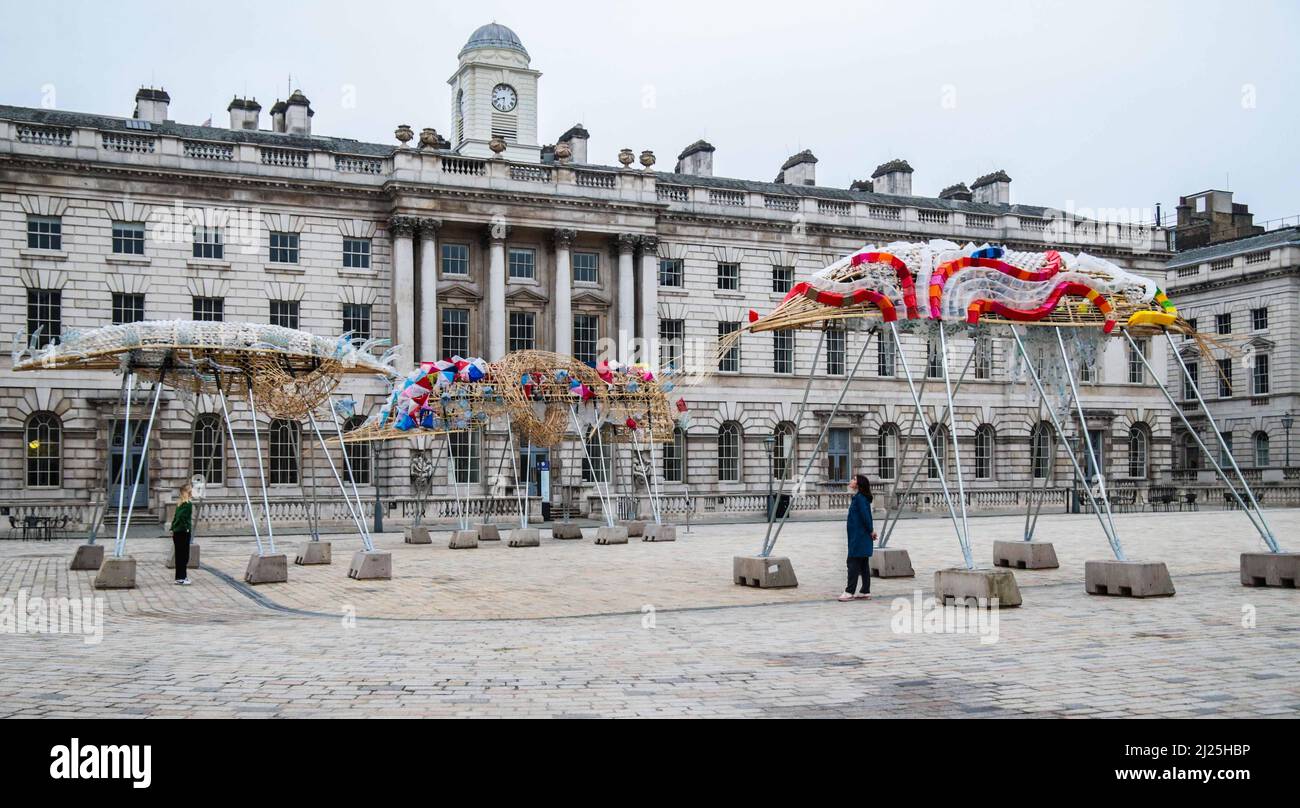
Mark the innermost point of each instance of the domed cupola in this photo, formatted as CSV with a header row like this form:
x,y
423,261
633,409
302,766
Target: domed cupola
x,y
494,94
494,36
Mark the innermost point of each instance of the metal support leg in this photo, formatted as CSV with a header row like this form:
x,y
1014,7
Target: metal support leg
x,y
597,474
347,467
239,466
462,517
261,474
798,422
126,459
120,548
943,480
956,448
610,473
770,544
347,499
1060,435
1087,441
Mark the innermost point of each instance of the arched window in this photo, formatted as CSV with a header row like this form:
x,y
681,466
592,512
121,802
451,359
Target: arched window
x,y
1139,446
1042,450
44,435
1259,441
729,441
783,451
887,452
675,457
939,437
283,446
359,454
985,440
208,449
1188,452
598,458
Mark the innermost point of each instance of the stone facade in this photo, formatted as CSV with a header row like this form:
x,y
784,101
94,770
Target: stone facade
x,y
521,249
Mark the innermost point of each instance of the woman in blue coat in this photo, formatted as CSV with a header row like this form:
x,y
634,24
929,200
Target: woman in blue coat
x,y
862,532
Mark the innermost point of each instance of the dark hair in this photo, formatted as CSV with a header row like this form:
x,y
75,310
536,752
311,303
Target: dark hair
x,y
864,485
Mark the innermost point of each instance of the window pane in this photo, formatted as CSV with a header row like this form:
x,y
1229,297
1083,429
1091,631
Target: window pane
x,y
209,309
128,238
44,233
284,313
356,253
284,248
44,438
586,333
455,333
207,449
44,315
356,320
730,361
671,272
283,447
455,259
127,308
523,263
586,267
522,331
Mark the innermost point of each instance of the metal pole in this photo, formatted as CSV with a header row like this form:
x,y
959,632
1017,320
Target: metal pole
x,y
1083,430
770,544
1060,436
956,446
120,548
261,474
1267,532
239,466
126,459
95,512
596,475
890,524
943,480
347,465
1035,507
356,517
798,424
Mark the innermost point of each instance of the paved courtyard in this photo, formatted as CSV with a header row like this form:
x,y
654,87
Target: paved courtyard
x,y
575,629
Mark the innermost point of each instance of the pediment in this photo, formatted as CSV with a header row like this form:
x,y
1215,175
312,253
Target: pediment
x,y
524,294
460,291
1260,343
591,298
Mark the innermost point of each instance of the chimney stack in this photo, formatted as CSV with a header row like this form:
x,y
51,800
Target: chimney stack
x,y
298,114
277,116
151,104
992,189
894,177
244,113
958,192
696,159
576,137
799,169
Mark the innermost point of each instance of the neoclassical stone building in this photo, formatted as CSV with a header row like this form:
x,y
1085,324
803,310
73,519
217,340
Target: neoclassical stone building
x,y
485,240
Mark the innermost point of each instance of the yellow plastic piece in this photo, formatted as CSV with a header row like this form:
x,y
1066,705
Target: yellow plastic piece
x,y
1159,318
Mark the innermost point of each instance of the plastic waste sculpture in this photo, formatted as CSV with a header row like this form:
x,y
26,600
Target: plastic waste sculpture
x,y
1047,302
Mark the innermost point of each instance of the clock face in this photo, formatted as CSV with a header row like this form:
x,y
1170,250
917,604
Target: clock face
x,y
504,97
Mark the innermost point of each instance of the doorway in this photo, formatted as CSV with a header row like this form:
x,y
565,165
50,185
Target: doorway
x,y
117,496
530,460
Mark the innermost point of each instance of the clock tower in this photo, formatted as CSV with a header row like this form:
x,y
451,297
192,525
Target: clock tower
x,y
494,92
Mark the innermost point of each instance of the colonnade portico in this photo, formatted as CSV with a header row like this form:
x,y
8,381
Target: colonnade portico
x,y
634,313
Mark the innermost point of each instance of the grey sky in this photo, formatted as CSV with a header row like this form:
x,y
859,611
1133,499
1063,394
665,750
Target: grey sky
x,y
1095,104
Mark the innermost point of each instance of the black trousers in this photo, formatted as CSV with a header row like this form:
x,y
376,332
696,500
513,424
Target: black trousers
x,y
859,567
181,544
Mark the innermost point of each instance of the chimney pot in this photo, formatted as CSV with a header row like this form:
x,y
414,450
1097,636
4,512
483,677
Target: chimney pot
x,y
696,159
893,177
992,189
151,104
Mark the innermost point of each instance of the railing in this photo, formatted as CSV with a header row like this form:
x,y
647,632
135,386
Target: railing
x,y
1033,225
594,179
734,199
672,193
284,158
978,221
830,207
202,150
786,203
45,135
932,216
358,165
885,212
129,143
530,173
464,167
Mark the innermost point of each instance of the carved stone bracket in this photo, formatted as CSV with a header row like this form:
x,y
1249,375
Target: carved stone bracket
x,y
402,226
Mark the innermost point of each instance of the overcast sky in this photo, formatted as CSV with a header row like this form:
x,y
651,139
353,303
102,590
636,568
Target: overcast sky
x,y
1085,103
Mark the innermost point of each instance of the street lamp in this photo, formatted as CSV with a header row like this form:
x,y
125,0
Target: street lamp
x,y
1287,421
769,443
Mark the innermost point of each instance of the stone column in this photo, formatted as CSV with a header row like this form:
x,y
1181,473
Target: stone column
x,y
650,301
402,326
496,290
626,328
563,300
429,290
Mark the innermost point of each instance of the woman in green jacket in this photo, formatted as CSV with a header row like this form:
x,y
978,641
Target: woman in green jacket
x,y
181,524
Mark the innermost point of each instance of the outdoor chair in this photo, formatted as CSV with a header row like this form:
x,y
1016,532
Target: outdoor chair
x,y
1189,502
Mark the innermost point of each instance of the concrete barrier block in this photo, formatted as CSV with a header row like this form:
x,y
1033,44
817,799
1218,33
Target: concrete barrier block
x,y
525,537
267,569
116,573
315,552
418,534
463,540
1130,579
1025,555
772,572
656,532
891,562
196,558
978,587
87,557
611,535
635,528
489,533
566,531
371,565
1270,569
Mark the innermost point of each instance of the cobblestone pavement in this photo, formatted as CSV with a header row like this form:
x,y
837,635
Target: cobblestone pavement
x,y
576,629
